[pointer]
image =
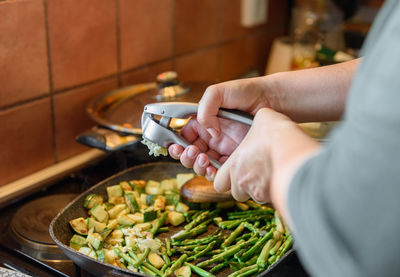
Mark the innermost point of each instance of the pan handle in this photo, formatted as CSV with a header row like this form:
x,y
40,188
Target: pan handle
x,y
106,139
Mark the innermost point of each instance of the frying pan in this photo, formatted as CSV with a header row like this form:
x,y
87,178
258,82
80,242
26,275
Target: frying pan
x,y
61,232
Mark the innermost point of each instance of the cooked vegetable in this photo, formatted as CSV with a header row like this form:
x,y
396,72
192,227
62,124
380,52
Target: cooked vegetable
x,y
79,225
92,199
123,230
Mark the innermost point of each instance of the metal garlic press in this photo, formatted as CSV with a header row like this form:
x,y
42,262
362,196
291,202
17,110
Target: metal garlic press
x,y
157,118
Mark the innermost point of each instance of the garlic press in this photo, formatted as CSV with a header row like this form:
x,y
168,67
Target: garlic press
x,y
157,117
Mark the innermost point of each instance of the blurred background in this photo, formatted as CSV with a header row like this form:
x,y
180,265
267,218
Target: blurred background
x,y
57,55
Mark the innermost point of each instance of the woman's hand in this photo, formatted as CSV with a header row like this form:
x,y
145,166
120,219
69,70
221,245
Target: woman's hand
x,y
248,171
203,146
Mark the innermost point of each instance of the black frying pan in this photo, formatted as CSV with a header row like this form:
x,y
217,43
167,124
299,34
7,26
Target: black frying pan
x,y
61,232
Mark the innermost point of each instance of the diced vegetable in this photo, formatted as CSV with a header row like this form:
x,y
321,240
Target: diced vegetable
x,y
88,252
101,255
175,218
172,199
77,242
92,199
79,225
159,203
98,226
125,220
95,240
130,200
125,186
99,213
183,271
156,260
114,191
153,188
169,184
182,208
137,217
116,210
150,215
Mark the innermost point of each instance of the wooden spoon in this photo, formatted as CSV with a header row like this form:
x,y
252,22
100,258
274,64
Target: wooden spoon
x,y
200,190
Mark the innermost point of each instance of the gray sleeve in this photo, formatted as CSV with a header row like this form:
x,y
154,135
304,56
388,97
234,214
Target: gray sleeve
x,y
344,202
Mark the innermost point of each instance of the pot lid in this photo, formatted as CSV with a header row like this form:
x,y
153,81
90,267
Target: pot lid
x,y
121,109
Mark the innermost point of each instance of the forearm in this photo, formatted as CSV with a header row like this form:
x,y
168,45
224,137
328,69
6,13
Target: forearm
x,y
317,94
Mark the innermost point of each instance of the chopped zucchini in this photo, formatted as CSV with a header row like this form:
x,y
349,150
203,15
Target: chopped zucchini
x,y
131,202
130,241
116,210
125,220
117,234
143,226
87,251
106,232
183,271
156,260
112,224
137,184
125,186
110,256
170,208
169,184
182,178
108,206
99,213
116,200
173,199
153,188
95,240
182,208
137,217
150,199
114,191
150,215
175,218
77,242
79,225
159,203
92,200
98,226
101,255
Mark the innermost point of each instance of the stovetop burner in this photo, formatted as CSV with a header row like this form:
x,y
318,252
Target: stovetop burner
x,y
30,226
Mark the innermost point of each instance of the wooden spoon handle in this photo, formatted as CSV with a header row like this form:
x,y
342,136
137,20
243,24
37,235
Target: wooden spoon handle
x,y
200,190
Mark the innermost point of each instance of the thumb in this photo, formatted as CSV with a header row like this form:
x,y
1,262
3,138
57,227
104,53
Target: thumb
x,y
222,181
208,109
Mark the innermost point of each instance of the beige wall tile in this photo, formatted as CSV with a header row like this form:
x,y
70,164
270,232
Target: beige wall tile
x,y
26,139
146,31
83,40
71,117
23,52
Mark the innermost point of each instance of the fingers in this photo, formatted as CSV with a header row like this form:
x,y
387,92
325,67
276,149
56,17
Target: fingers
x,y
208,110
222,181
175,151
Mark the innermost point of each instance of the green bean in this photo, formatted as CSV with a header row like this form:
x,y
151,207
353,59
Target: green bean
x,y
141,257
287,244
202,252
158,223
218,267
244,269
256,247
203,216
262,259
248,272
233,235
276,247
190,233
199,270
175,266
168,245
125,257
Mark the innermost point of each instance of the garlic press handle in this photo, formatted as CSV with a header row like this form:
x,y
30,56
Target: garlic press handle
x,y
236,115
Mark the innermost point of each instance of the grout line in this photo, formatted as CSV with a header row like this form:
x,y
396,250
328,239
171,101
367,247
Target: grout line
x,y
173,34
53,116
118,38
85,84
23,102
219,41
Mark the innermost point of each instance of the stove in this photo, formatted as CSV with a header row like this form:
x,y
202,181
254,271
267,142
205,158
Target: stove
x,y
25,243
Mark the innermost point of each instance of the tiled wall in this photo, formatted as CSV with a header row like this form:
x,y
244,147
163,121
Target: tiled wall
x,y
55,55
